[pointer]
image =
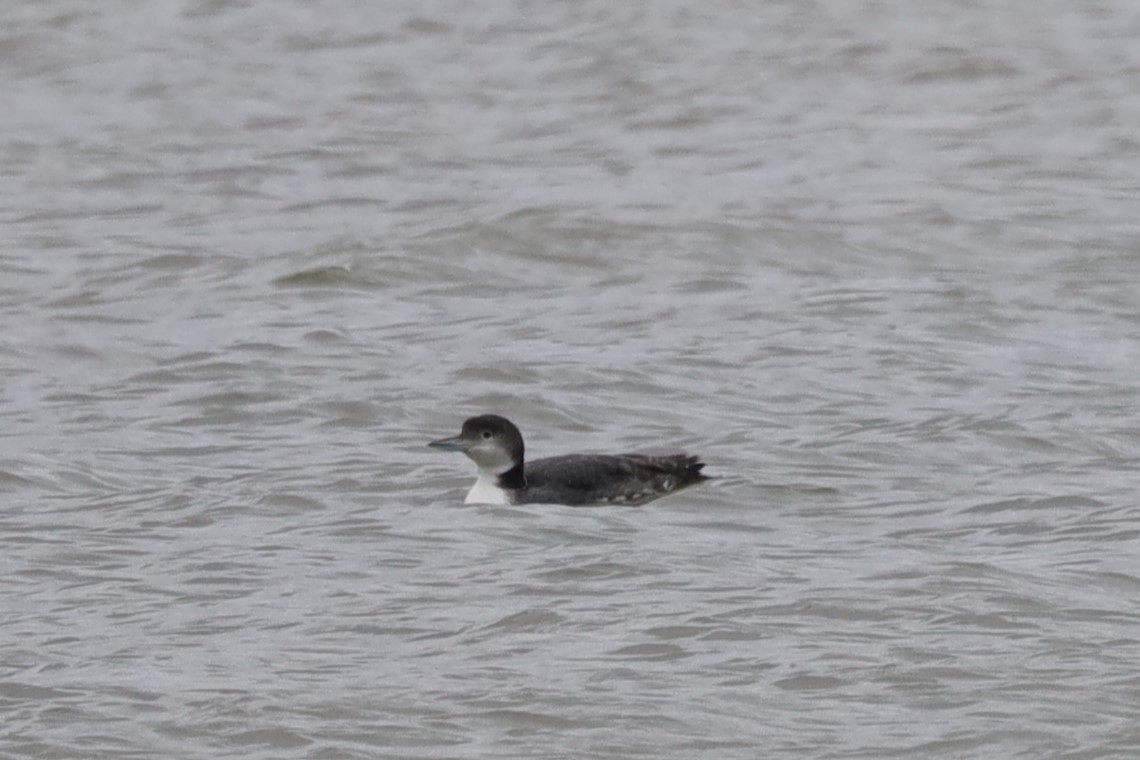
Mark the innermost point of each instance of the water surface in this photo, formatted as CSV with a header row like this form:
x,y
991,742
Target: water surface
x,y
875,263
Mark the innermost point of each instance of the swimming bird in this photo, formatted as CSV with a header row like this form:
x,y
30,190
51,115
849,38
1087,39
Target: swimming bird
x,y
505,477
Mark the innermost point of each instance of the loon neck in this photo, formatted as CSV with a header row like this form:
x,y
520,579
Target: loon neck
x,y
514,478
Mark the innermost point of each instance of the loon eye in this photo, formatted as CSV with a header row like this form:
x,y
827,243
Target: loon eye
x,y
486,435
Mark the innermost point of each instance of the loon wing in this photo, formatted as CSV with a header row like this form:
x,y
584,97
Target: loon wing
x,y
600,478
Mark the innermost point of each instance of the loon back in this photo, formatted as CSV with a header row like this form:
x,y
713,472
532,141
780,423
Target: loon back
x,y
632,479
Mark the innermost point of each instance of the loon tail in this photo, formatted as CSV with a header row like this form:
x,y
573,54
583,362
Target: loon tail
x,y
689,470
685,468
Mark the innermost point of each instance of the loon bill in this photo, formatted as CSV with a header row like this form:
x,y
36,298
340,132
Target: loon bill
x,y
496,447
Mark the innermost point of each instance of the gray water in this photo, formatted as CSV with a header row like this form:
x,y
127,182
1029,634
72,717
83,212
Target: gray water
x,y
877,263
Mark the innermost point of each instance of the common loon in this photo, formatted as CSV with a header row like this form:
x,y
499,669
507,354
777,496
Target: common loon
x,y
496,447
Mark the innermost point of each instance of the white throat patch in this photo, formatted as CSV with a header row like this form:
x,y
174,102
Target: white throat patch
x,y
486,490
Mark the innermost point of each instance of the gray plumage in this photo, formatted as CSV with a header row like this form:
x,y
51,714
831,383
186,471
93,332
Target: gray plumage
x,y
633,479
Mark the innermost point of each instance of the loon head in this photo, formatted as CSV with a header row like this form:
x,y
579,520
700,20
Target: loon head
x,y
492,442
